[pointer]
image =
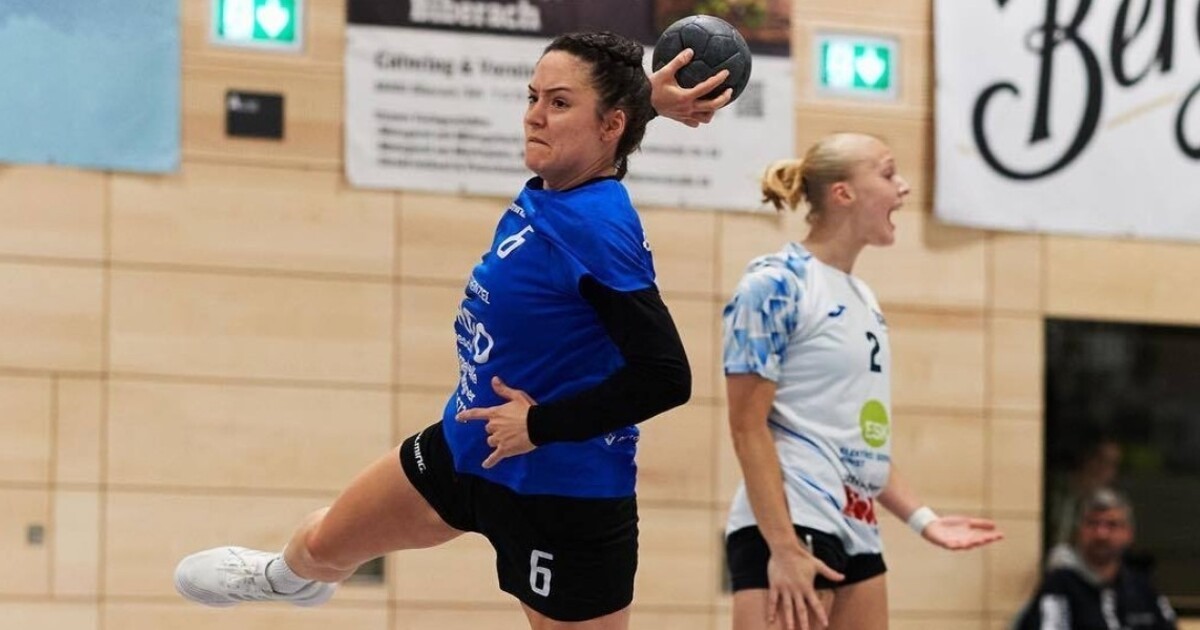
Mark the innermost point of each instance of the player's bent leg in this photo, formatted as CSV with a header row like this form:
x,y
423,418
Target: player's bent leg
x,y
618,620
380,511
750,610
861,606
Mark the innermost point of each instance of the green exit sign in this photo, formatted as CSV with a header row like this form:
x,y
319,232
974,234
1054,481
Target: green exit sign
x,y
273,24
857,66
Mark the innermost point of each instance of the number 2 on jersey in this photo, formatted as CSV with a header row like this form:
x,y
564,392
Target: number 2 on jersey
x,y
875,367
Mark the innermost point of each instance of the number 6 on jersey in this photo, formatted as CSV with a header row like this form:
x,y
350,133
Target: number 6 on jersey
x,y
539,576
516,240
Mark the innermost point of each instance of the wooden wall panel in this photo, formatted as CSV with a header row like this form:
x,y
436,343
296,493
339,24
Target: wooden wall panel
x,y
1013,565
925,578
75,537
425,336
26,570
1016,270
746,236
312,115
50,317
460,572
942,458
251,327
675,454
180,615
1015,479
54,212
252,217
1142,281
417,410
78,441
729,473
225,437
443,237
678,557
930,264
937,360
926,621
655,620
722,618
325,34
25,434
697,320
492,617
683,242
1016,370
50,615
910,13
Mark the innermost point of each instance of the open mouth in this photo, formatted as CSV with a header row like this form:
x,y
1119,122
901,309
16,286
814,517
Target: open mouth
x,y
892,211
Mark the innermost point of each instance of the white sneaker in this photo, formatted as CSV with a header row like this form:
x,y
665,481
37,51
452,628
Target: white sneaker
x,y
227,576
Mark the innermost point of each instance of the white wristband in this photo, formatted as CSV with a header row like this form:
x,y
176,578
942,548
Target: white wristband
x,y
921,518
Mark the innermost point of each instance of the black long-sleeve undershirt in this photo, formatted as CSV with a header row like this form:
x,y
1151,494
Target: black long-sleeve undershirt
x,y
656,375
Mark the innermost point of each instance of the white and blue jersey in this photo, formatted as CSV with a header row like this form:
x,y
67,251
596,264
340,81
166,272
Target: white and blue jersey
x,y
523,319
819,335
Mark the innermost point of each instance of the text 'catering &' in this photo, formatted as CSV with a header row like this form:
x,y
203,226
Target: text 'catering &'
x,y
448,67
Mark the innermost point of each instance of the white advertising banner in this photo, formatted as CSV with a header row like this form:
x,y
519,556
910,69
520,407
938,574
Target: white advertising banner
x,y
440,109
1069,116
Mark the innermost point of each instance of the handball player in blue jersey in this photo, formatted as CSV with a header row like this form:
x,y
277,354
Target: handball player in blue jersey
x,y
564,345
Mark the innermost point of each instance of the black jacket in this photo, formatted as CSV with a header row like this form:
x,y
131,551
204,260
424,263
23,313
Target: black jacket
x,y
1070,598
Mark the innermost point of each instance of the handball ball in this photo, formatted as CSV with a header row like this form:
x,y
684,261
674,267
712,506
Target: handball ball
x,y
717,46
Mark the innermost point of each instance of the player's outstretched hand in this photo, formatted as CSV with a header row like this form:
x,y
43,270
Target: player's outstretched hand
x,y
961,532
792,598
685,104
507,425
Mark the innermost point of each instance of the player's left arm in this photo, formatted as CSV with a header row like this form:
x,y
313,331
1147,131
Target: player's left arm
x,y
949,532
656,375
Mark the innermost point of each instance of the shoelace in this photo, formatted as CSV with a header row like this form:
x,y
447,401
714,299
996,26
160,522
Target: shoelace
x,y
240,576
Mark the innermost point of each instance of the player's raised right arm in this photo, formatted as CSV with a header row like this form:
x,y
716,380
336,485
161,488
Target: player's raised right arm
x,y
686,105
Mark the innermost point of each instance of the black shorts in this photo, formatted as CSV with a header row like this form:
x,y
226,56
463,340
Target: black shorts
x,y
747,553
568,558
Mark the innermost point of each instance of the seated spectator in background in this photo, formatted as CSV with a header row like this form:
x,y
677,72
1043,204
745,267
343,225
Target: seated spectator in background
x,y
1092,589
1093,467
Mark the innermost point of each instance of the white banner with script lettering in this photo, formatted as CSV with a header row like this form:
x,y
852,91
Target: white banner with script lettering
x,y
436,92
1069,116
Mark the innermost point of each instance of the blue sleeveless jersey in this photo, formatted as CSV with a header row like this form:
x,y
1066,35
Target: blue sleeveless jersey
x,y
524,320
